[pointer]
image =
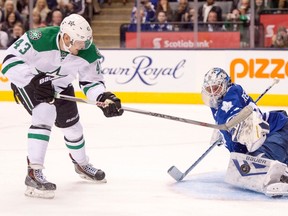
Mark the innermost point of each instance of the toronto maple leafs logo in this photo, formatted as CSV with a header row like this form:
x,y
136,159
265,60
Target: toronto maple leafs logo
x,y
226,106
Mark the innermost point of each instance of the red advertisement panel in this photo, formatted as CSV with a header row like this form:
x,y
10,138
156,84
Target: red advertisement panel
x,y
176,40
271,22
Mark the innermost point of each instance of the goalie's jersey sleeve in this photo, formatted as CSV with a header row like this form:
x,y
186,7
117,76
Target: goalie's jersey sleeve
x,y
38,51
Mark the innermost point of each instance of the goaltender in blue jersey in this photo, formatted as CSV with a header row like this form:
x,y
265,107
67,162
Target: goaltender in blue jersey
x,y
46,61
258,145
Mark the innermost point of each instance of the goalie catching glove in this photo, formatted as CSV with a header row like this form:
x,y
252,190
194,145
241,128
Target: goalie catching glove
x,y
43,88
112,104
251,132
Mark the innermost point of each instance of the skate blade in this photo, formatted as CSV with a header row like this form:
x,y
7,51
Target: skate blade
x,y
93,180
35,193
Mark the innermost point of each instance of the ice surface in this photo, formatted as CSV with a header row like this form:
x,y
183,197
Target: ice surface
x,y
135,151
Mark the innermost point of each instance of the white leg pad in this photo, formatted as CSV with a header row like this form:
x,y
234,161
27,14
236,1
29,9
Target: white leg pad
x,y
253,173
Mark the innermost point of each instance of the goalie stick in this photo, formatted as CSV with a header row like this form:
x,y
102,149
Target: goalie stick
x,y
242,115
178,175
175,173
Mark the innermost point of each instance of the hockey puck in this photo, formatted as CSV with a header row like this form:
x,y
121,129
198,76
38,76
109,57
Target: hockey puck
x,y
245,168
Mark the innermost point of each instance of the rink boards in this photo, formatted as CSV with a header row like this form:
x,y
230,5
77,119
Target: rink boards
x,y
176,76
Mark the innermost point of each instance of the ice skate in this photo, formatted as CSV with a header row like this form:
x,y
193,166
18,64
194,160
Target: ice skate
x,y
89,172
37,185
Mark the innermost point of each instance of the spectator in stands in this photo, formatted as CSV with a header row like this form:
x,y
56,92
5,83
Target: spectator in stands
x,y
244,8
3,39
41,7
164,5
259,6
62,6
161,23
56,18
182,9
242,5
205,9
9,23
9,7
77,6
233,21
278,4
52,4
211,25
36,21
148,9
145,25
280,39
23,8
189,19
18,31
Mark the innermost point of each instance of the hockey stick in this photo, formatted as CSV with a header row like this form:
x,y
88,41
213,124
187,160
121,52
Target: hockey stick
x,y
242,115
275,81
178,175
175,173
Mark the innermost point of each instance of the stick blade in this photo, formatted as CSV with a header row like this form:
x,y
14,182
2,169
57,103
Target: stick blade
x,y
175,173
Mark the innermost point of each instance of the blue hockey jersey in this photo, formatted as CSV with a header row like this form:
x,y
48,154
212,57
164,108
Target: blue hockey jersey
x,y
232,102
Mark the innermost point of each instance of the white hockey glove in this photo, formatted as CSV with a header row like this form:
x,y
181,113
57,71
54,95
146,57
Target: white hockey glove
x,y
251,132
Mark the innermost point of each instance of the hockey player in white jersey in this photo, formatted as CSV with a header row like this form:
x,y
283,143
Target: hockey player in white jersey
x,y
258,145
47,60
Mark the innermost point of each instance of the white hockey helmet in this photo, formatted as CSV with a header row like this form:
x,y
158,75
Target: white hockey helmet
x,y
216,83
79,31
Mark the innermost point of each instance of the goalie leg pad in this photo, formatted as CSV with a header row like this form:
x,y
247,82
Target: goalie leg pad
x,y
253,173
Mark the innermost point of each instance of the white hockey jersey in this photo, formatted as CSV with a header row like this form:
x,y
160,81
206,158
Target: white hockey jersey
x,y
38,51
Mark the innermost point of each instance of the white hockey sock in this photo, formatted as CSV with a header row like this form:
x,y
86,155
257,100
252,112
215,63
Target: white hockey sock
x,y
77,150
38,139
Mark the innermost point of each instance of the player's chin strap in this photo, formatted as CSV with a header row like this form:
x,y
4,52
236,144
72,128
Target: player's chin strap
x,y
175,173
66,48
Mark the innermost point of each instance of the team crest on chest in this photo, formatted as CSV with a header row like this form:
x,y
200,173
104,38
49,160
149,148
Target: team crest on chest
x,y
35,34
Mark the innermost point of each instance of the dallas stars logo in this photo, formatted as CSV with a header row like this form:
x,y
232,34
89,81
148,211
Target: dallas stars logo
x,y
71,23
54,74
35,34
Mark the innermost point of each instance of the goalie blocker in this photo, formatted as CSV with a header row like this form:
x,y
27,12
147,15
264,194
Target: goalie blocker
x,y
258,174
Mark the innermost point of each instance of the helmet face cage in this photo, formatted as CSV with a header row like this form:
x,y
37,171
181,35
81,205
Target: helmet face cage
x,y
216,82
79,31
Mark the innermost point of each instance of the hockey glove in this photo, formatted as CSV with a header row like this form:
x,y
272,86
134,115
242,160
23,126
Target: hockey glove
x,y
251,132
113,104
43,88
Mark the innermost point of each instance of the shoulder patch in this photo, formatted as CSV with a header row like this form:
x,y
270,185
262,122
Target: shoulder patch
x,y
34,34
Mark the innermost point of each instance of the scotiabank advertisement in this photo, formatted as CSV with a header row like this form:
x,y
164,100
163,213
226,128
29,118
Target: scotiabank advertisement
x,y
180,40
271,23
